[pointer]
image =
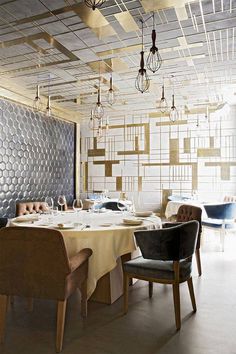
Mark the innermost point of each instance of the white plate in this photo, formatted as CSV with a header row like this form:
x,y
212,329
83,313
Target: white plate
x,y
107,224
64,227
133,222
143,213
26,218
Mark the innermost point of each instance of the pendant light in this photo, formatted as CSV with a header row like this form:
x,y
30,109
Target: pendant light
x,y
94,4
91,120
142,82
163,103
174,114
111,93
48,108
154,60
37,103
98,111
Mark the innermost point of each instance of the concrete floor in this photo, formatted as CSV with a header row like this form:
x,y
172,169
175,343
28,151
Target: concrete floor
x,y
149,326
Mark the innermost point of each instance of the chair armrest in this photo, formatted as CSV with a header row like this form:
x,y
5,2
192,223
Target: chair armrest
x,y
79,258
171,224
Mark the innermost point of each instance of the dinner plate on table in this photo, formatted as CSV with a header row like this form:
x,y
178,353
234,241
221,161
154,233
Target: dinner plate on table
x,y
132,222
64,226
106,224
143,214
25,219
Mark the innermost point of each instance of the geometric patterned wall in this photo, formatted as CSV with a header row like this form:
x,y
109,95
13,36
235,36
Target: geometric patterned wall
x,y
36,156
149,155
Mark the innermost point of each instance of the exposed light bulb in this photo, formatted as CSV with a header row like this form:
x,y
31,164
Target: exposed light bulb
x,y
142,82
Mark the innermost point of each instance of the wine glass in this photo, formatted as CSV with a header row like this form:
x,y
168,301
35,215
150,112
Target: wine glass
x,y
61,201
77,205
49,203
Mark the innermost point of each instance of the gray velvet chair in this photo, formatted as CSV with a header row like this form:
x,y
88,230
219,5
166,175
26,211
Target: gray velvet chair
x,y
166,259
34,264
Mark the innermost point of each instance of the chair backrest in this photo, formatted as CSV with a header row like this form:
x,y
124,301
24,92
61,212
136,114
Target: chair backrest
x,y
221,211
33,262
25,207
3,222
111,205
170,244
190,212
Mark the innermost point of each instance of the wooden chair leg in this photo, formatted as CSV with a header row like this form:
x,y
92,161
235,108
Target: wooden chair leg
x,y
150,285
191,292
198,259
126,292
84,306
3,313
61,310
177,305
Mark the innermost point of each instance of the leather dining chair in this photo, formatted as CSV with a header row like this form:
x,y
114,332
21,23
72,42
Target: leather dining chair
x,y
34,264
220,217
3,222
166,259
28,207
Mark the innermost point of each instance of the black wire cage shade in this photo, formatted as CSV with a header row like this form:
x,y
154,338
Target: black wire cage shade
x,y
142,81
94,4
154,60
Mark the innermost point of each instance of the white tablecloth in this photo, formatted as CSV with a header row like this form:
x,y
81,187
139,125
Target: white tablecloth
x,y
108,243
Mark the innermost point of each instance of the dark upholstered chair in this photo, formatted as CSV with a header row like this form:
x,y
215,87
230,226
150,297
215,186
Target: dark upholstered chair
x,y
34,264
110,205
167,259
3,222
24,208
187,213
220,217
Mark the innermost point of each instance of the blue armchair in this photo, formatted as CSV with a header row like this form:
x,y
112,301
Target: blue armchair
x,y
220,217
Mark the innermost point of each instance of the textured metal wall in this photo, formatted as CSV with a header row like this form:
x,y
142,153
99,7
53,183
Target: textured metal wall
x,y
36,157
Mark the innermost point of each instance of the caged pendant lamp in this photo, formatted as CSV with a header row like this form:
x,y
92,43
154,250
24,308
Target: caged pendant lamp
x,y
37,103
163,103
174,114
154,60
98,111
94,4
142,81
111,93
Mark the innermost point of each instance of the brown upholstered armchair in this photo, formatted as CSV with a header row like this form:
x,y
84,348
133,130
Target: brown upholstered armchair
x,y
187,213
34,264
24,208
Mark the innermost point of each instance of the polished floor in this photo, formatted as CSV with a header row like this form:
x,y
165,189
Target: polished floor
x,y
149,326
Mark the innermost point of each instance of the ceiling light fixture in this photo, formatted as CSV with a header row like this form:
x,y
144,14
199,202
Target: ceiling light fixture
x,y
48,107
142,82
174,114
111,94
163,103
98,111
154,60
37,103
94,4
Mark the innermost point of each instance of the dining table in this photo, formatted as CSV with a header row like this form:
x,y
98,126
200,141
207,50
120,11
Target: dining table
x,y
110,235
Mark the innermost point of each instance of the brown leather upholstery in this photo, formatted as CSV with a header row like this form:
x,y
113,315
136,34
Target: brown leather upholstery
x,y
187,213
34,264
24,208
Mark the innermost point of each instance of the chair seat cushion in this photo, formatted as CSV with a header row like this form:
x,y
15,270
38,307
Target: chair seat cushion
x,y
157,269
218,224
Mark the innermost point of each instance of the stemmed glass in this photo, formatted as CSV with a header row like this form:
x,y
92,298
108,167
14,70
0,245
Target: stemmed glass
x,y
77,205
61,201
49,203
121,206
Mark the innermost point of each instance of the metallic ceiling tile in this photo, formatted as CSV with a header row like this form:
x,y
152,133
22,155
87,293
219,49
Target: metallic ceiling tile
x,y
181,13
104,31
155,5
129,49
126,21
93,19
